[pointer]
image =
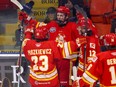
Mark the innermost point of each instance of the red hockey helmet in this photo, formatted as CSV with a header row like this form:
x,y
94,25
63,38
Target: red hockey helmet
x,y
89,25
63,9
41,33
110,39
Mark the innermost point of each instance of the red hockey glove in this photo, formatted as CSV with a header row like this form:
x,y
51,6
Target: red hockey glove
x,y
24,16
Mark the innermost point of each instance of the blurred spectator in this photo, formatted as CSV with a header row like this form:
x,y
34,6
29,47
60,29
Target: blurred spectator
x,y
5,82
70,5
80,3
62,2
74,2
17,36
113,26
50,14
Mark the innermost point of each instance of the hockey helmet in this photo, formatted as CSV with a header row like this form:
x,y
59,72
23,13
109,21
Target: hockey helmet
x,y
63,9
110,39
41,33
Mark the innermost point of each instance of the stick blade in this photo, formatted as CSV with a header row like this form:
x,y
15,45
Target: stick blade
x,y
17,4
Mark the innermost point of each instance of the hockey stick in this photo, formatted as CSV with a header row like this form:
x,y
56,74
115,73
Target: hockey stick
x,y
80,10
20,55
21,39
85,46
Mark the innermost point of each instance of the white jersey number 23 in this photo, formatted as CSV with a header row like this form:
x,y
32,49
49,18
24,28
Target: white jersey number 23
x,y
44,59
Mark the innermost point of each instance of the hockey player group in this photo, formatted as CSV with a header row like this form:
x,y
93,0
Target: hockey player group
x,y
54,48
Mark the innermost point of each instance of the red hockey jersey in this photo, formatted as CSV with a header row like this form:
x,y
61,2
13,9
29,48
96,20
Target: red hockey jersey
x,y
43,57
103,68
91,49
66,33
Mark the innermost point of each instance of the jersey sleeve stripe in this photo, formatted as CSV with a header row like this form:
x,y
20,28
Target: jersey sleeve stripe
x,y
90,75
88,79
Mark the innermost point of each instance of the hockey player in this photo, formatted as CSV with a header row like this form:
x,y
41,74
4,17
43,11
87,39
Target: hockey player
x,y
82,18
103,66
62,30
43,56
88,31
91,48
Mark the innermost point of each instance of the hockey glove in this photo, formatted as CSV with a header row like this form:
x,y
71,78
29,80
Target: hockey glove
x,y
24,17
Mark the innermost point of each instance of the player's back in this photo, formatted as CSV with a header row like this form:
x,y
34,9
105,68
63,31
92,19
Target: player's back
x,y
42,53
102,69
108,68
41,56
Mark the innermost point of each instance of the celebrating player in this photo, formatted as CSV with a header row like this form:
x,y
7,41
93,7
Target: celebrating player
x,y
91,48
103,66
61,30
43,56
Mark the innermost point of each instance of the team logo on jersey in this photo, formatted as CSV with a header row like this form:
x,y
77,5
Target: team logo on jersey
x,y
52,29
92,45
60,38
92,59
38,45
